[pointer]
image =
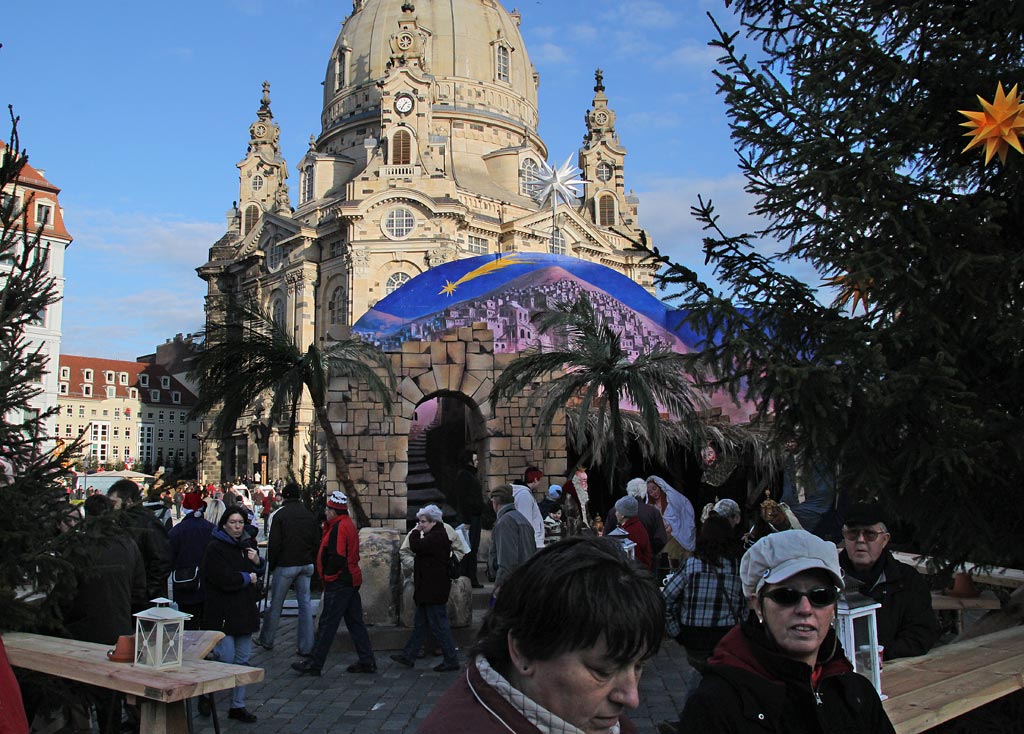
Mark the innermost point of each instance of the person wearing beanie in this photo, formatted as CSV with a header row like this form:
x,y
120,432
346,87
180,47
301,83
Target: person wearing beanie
x,y
783,669
525,498
188,540
337,563
626,510
907,626
552,501
648,514
291,553
512,540
431,546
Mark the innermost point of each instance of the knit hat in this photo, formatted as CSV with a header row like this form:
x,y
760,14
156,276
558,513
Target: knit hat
x,y
727,508
862,514
782,555
337,500
193,502
627,506
554,491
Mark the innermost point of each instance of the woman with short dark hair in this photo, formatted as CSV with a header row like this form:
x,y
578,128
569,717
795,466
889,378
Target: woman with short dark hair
x,y
562,649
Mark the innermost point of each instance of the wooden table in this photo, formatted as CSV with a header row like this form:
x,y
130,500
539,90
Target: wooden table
x,y
160,693
942,601
996,576
952,680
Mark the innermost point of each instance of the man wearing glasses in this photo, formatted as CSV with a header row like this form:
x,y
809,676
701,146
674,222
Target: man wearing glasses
x,y
906,622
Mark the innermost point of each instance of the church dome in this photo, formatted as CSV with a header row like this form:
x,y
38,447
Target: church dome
x,y
472,48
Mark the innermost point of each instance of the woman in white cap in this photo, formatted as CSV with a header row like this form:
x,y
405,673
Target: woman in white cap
x,y
783,669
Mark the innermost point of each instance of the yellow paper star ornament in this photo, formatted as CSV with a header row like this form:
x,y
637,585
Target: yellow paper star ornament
x,y
998,125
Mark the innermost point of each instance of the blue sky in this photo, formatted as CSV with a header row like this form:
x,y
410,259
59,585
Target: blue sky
x,y
140,111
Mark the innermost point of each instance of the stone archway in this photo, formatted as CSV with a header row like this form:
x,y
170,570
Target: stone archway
x,y
462,364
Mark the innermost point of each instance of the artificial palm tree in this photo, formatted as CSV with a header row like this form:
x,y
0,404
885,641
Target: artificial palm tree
x,y
590,371
249,354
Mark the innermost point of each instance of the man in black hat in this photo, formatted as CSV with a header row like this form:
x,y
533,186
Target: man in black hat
x,y
906,622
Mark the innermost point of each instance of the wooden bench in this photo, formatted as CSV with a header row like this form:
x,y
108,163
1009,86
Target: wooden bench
x,y
942,601
160,693
952,680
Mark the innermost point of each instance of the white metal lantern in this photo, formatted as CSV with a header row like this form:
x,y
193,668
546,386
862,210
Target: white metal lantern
x,y
159,632
858,632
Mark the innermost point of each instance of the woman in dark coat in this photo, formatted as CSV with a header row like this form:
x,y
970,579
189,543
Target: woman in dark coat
x,y
430,545
231,569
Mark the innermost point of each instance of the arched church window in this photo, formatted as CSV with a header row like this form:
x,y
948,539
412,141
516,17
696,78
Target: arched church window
x,y
604,171
338,305
399,222
339,70
257,182
395,282
557,244
307,185
502,64
606,210
401,148
252,215
277,312
275,255
528,183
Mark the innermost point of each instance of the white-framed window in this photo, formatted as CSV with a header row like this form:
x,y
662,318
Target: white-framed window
x,y
44,214
604,171
65,373
87,375
154,396
476,245
116,431
395,282
529,185
108,377
81,411
257,182
606,210
277,313
399,222
67,430
338,305
557,244
111,391
181,435
122,378
176,397
63,388
143,380
340,65
160,416
165,382
160,434
127,432
117,412
502,63
87,391
133,394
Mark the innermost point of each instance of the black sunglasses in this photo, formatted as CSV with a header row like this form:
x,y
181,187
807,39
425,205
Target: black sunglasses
x,y
823,596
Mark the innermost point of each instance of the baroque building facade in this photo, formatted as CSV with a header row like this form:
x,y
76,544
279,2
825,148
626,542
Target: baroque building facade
x,y
429,151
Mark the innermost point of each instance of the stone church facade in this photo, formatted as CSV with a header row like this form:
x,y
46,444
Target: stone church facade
x,y
428,152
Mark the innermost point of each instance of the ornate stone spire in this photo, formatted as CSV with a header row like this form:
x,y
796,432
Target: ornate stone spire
x,y
599,78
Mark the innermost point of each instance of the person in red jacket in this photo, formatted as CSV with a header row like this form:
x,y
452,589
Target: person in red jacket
x,y
337,562
626,511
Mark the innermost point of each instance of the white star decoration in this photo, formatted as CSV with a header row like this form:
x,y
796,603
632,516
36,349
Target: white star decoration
x,y
555,184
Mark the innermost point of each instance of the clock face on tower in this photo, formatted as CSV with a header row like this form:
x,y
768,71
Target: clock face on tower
x,y
259,130
405,41
600,118
403,104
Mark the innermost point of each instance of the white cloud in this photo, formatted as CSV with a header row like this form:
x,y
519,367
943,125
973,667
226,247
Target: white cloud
x,y
584,33
143,238
652,119
643,14
549,53
694,54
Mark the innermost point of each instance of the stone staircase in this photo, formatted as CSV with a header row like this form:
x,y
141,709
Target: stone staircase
x,y
421,484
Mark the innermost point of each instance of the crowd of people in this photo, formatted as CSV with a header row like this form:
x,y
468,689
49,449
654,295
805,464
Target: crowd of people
x,y
752,607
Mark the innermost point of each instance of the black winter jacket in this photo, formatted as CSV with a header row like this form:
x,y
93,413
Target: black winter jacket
x,y
232,601
906,622
431,584
108,588
151,538
750,689
294,536
469,498
188,540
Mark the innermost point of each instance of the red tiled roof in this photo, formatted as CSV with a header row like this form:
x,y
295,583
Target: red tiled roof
x,y
99,366
31,181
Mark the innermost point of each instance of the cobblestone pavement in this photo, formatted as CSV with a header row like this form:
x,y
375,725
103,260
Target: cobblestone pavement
x,y
396,699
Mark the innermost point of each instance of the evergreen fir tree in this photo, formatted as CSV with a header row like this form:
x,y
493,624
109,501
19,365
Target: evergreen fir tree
x,y
36,574
848,135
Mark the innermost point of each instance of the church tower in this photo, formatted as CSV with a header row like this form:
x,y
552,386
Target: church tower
x,y
262,175
602,160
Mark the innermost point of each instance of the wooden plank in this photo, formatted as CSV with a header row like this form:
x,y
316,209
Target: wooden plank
x,y
997,576
197,644
87,662
920,710
986,600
